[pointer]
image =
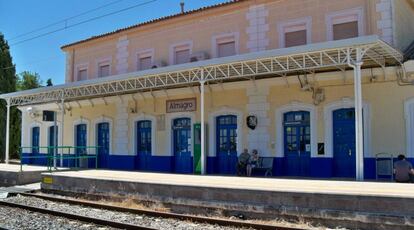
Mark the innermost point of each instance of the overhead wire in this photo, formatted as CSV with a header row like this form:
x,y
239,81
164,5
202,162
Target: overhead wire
x,y
79,23
65,20
83,22
218,18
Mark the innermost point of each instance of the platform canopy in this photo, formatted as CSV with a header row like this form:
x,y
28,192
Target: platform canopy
x,y
317,57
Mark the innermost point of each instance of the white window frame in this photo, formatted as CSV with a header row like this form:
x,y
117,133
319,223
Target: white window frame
x,y
168,126
346,103
409,125
79,67
97,121
88,133
296,106
232,36
144,53
188,43
344,16
144,117
293,26
102,62
213,129
30,136
59,133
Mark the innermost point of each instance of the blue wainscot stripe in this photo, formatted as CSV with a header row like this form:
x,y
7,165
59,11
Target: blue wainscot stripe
x,y
212,165
121,162
26,160
160,163
369,168
278,166
40,159
321,167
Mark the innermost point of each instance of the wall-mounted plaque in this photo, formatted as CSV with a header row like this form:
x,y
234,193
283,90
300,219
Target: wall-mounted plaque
x,y
251,122
181,105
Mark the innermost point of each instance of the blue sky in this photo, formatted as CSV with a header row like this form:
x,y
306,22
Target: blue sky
x,y
43,55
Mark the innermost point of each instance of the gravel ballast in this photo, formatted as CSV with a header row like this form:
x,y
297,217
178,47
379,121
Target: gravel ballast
x,y
19,219
142,220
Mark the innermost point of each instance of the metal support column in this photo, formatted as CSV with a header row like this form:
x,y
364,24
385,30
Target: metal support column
x,y
62,130
359,141
203,126
55,131
7,152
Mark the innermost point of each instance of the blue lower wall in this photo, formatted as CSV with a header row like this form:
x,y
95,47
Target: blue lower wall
x,y
121,162
320,167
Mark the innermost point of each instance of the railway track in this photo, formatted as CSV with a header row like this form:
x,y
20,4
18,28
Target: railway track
x,y
71,216
158,214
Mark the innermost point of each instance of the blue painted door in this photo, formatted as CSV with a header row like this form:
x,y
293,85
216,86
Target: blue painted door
x,y
143,144
182,145
344,143
297,143
226,143
51,141
80,139
35,144
103,143
35,140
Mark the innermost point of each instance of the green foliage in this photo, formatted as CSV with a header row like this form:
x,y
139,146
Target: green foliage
x,y
8,84
49,82
27,80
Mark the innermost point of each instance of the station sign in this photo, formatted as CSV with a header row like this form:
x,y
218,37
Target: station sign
x,y
181,105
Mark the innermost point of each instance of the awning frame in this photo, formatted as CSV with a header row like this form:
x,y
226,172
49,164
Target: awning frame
x,y
326,56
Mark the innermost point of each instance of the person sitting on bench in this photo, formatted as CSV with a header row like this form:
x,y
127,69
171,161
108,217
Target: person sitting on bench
x,y
253,160
242,162
403,170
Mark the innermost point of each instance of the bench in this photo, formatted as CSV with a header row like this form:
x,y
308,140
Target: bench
x,y
264,164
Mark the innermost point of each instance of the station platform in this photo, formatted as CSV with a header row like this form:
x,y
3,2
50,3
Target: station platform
x,y
11,175
336,203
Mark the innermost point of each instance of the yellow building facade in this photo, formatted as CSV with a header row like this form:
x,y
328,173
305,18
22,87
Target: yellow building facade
x,y
295,105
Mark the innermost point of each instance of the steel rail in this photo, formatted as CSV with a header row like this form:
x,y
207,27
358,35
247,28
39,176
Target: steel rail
x,y
199,219
71,216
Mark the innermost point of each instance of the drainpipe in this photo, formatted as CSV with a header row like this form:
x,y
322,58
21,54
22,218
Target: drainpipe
x,y
7,155
359,144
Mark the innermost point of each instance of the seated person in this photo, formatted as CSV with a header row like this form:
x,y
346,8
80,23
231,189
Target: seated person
x,y
252,162
242,162
403,170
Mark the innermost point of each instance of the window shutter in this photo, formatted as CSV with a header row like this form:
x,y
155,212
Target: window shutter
x,y
145,63
345,30
103,70
295,38
182,56
83,74
226,49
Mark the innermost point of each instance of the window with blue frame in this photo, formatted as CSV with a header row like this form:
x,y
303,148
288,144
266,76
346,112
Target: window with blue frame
x,y
35,139
144,137
81,139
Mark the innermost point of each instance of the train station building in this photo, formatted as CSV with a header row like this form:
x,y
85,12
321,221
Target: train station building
x,y
319,87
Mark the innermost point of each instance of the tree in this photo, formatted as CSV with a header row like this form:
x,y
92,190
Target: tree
x,y
49,82
28,80
7,85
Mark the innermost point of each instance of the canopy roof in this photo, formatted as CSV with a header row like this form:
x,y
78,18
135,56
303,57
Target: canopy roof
x,y
317,57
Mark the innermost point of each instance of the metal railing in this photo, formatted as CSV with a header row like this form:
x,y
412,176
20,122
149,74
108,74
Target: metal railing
x,y
58,155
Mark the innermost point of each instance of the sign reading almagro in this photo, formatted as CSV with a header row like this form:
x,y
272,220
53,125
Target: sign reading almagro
x,y
181,105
